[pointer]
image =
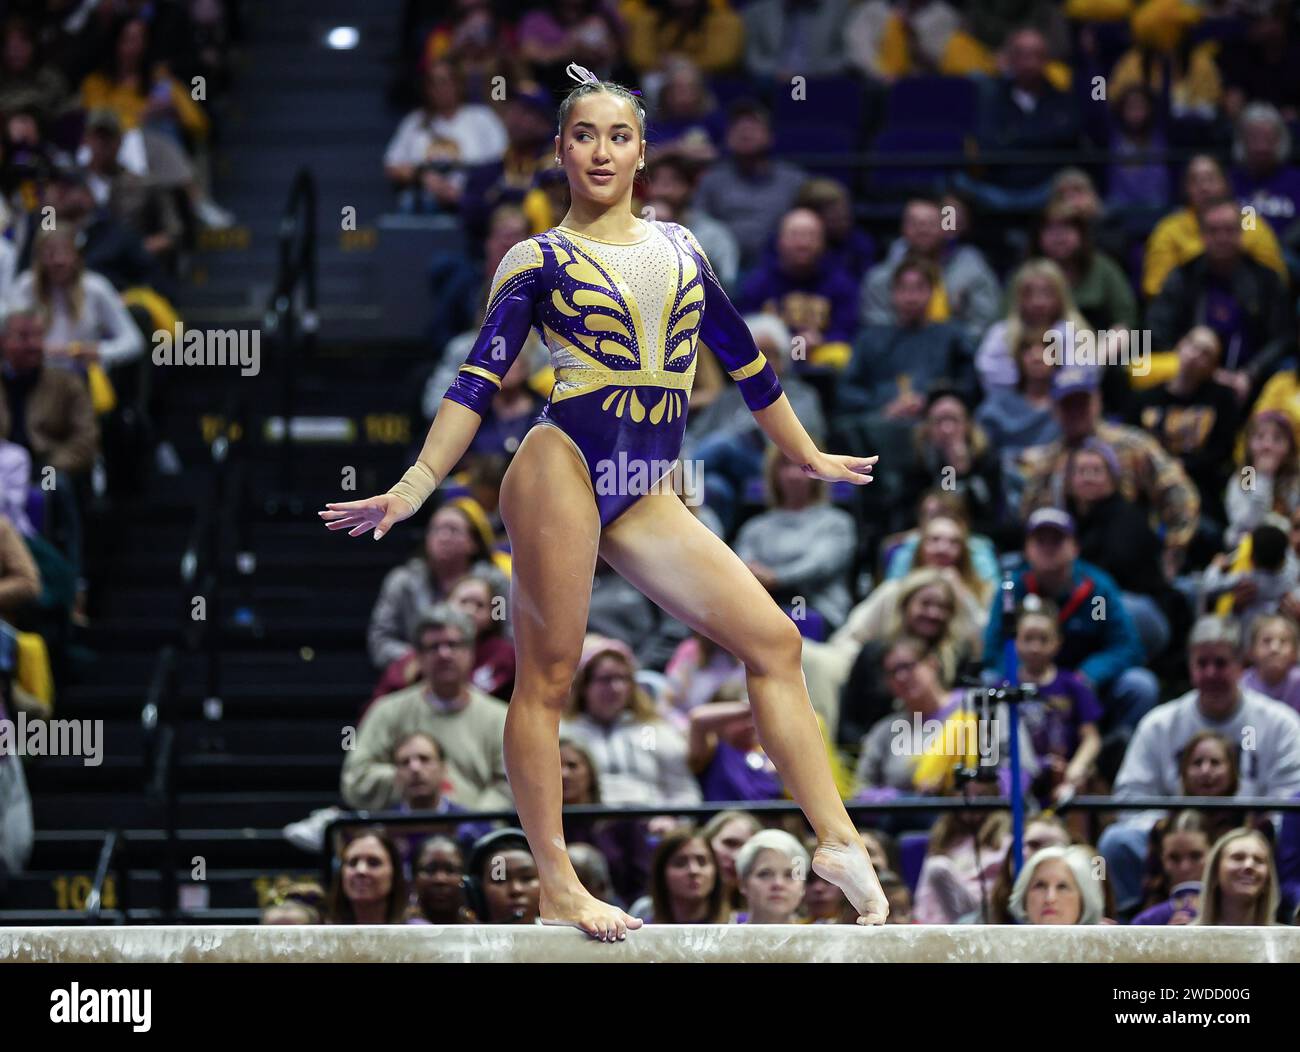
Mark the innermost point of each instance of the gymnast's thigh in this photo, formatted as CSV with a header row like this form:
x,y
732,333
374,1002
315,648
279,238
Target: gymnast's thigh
x,y
550,515
679,564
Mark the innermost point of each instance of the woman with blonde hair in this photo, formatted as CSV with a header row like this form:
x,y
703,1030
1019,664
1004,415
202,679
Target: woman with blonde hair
x,y
1240,884
1040,300
85,321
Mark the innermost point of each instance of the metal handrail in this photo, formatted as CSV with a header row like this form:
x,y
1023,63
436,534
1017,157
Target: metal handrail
x,y
109,862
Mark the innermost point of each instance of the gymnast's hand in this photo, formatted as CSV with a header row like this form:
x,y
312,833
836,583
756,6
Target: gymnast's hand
x,y
837,467
356,516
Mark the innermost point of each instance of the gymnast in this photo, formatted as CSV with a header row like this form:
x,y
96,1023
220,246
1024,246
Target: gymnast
x,y
622,304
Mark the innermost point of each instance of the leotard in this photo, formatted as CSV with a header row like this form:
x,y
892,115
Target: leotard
x,y
622,323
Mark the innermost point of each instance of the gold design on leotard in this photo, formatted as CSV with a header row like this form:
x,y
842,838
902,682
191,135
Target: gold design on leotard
x,y
608,323
477,371
746,371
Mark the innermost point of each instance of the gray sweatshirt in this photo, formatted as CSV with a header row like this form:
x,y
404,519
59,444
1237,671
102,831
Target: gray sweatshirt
x,y
810,551
1266,734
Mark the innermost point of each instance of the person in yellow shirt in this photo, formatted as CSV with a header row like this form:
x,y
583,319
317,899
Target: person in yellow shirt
x,y
140,92
1177,238
708,32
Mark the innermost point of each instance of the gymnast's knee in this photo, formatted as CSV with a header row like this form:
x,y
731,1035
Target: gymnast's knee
x,y
547,682
773,647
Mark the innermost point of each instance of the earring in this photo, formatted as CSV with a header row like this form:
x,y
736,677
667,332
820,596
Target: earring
x,y
558,161
640,164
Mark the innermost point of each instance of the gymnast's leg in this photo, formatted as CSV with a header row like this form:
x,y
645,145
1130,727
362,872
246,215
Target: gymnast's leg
x,y
550,514
667,553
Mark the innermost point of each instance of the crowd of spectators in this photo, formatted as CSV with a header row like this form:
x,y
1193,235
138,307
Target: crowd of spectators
x,y
106,117
1073,342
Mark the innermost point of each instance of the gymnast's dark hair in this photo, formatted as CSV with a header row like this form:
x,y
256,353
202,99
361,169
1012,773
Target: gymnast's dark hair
x,y
596,87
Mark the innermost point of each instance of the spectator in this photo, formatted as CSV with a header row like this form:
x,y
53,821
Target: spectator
x,y
1208,767
135,83
1244,302
1258,64
1273,647
749,190
1062,720
1255,578
968,294
501,881
913,676
1241,885
1132,182
420,776
812,294
587,32
847,246
727,832
20,582
15,486
1147,474
1098,638
772,868
1175,864
726,439
1115,534
369,887
1177,238
47,411
1100,289
1194,417
894,363
1043,830
439,881
527,117
1268,481
671,179
84,319
137,201
1024,112
686,885
466,722
108,247
1017,418
641,758
458,542
688,123
944,545
964,854
1057,886
708,33
899,552
1262,178
428,157
784,40
848,668
300,903
824,903
1042,306
696,671
801,547
1217,702
593,871
725,753
26,82
950,450
1194,88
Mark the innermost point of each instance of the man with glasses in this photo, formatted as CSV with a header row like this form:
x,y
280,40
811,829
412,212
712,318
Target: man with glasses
x,y
443,703
1265,734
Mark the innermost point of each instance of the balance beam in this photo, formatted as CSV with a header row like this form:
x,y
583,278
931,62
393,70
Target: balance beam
x,y
661,943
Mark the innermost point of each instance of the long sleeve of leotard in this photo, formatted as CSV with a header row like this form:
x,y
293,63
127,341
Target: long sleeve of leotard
x,y
725,333
506,323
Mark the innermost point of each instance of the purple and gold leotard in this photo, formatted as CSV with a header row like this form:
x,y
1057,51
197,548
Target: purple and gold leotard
x,y
622,322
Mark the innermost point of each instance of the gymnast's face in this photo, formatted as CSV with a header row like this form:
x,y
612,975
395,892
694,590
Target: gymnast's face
x,y
600,148
609,689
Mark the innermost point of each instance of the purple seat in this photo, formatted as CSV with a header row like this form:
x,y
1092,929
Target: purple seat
x,y
935,102
36,508
912,848
916,140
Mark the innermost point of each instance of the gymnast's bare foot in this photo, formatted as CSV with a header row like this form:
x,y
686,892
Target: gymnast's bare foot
x,y
598,919
847,865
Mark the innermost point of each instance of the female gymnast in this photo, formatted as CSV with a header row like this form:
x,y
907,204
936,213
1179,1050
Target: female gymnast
x,y
622,303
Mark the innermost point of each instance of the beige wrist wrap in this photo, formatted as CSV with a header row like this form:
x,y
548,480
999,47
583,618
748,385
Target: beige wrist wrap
x,y
416,486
